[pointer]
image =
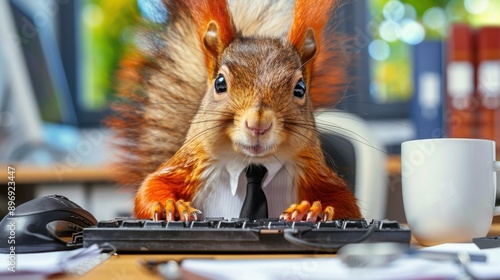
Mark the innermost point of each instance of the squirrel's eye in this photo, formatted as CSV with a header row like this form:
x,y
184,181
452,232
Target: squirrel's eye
x,y
220,84
300,89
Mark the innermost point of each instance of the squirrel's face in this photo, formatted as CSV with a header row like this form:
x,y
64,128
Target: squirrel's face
x,y
259,98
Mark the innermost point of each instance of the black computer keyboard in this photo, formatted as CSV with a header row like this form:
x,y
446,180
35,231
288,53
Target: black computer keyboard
x,y
240,235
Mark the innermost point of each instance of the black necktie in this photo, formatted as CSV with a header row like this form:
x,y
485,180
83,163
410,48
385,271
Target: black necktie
x,y
255,204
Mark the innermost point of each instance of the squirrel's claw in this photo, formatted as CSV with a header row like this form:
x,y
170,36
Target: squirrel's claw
x,y
170,210
158,211
174,210
186,211
301,211
328,213
287,214
297,213
314,212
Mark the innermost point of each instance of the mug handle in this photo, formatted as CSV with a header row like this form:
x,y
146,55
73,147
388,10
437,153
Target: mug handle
x,y
496,168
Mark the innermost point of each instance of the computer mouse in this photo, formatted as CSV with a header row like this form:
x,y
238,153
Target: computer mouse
x,y
49,223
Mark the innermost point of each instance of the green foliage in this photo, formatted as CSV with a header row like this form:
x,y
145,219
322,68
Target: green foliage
x,y
108,30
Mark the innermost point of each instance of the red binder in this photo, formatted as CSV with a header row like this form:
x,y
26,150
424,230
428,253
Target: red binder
x,y
488,82
460,83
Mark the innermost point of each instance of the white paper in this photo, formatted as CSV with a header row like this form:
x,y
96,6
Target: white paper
x,y
46,263
333,268
489,269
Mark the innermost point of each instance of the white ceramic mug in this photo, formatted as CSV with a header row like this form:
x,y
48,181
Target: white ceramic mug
x,y
449,188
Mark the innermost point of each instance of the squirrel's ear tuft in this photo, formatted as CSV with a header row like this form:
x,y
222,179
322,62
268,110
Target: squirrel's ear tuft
x,y
214,28
309,47
323,58
213,44
309,19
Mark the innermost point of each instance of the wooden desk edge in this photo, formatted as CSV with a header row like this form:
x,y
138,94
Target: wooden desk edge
x,y
25,174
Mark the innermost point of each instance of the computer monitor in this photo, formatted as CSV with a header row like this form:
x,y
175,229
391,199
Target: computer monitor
x,y
21,123
35,89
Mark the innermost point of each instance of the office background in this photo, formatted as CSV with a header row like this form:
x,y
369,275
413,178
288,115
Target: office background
x,y
58,59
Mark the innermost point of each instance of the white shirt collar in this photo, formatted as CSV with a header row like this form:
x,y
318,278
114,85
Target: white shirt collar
x,y
235,170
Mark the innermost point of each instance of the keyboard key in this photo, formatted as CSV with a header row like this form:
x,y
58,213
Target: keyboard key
x,y
303,224
239,219
229,224
214,219
201,224
269,220
108,224
174,225
154,224
251,224
330,224
132,224
281,224
387,224
355,224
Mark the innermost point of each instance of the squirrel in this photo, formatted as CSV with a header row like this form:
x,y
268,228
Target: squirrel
x,y
222,85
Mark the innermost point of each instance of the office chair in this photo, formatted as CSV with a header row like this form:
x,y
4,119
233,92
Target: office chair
x,y
353,151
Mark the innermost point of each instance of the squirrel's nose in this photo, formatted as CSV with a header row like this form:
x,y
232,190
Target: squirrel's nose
x,y
258,128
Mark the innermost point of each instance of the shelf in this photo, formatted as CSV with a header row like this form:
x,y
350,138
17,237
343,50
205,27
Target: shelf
x,y
26,174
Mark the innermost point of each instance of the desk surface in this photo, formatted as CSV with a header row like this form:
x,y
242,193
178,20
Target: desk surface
x,y
128,267
25,174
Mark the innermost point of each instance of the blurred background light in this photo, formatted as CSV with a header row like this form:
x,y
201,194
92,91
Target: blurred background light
x,y
412,32
394,10
410,12
92,15
389,30
434,18
476,6
379,50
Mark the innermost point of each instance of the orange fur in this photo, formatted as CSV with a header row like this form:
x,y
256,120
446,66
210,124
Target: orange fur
x,y
309,14
181,176
205,11
201,13
127,115
327,69
181,182
318,182
328,73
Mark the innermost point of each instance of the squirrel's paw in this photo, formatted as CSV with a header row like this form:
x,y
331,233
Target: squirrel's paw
x,y
305,210
174,210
